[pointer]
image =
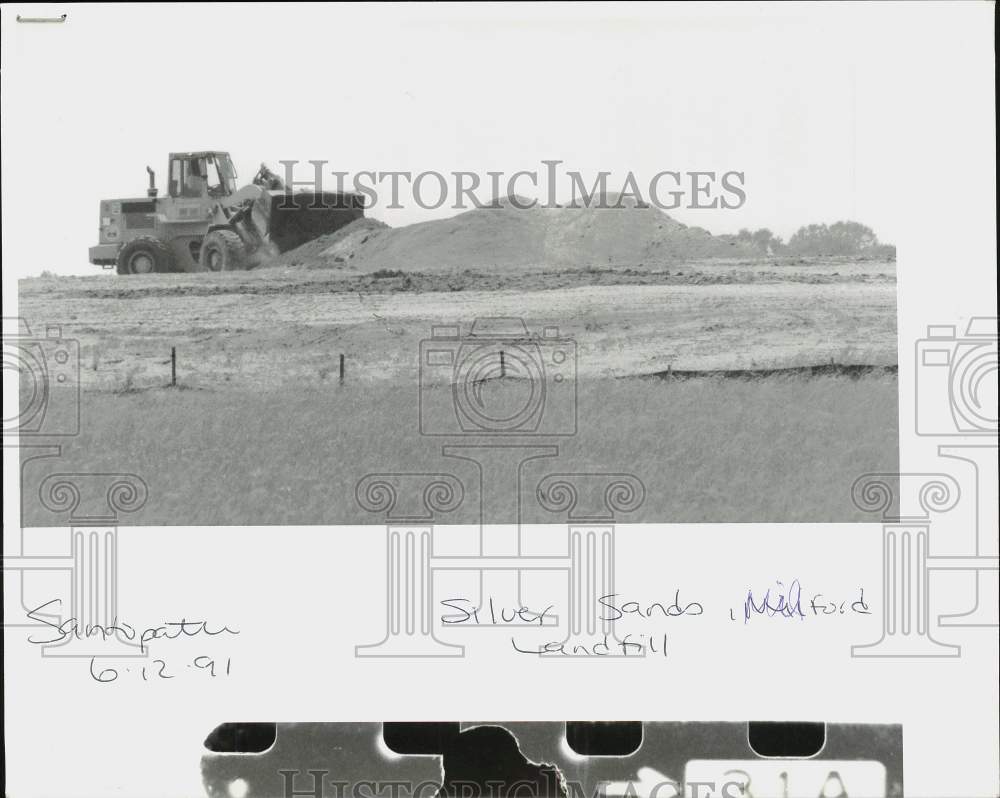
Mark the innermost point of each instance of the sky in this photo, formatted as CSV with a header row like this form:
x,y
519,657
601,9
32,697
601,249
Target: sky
x,y
798,98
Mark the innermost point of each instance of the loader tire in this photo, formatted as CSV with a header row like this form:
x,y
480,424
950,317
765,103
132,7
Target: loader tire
x,y
223,251
145,255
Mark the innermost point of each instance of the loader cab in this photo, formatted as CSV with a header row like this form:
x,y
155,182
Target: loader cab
x,y
196,175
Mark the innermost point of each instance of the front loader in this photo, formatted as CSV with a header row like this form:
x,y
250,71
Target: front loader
x,y
206,224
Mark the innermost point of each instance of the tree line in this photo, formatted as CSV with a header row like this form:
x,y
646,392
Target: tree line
x,y
839,238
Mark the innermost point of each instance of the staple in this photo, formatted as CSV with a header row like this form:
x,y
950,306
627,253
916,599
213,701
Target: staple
x,y
56,20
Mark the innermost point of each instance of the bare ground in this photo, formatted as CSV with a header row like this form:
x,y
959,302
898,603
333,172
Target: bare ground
x,y
275,327
260,430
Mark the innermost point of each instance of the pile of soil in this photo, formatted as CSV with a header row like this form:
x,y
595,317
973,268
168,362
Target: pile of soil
x,y
503,236
333,249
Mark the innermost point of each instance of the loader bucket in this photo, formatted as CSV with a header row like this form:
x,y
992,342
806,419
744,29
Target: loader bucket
x,y
294,218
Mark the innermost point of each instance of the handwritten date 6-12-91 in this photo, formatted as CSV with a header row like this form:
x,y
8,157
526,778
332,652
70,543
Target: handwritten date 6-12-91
x,y
158,669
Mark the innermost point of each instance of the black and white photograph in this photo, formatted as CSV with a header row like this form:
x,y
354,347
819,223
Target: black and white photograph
x,y
366,366
693,279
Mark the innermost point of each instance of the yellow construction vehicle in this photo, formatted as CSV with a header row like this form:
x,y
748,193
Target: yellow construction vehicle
x,y
206,224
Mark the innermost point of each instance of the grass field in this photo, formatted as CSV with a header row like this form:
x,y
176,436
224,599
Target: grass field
x,y
261,430
779,449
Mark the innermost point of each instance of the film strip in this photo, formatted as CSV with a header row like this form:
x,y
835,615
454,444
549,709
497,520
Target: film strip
x,y
554,760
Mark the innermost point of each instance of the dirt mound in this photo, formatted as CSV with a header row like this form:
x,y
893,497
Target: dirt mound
x,y
630,234
503,236
333,249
